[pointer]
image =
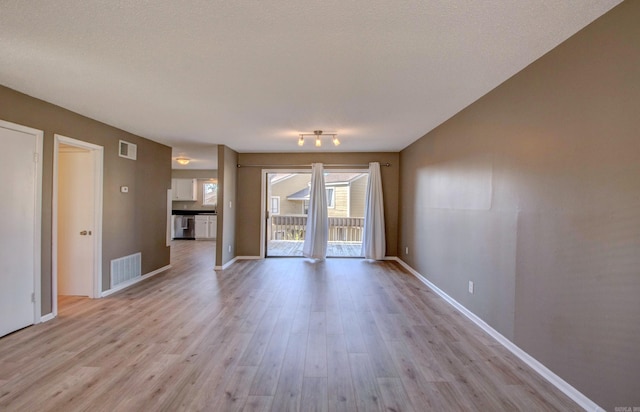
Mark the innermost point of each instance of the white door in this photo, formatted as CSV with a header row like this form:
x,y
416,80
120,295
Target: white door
x,y
19,243
76,177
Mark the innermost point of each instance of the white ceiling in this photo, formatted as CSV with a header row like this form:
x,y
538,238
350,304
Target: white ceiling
x,y
201,156
252,75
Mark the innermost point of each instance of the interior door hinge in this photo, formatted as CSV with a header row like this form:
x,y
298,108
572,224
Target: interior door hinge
x,y
33,297
35,157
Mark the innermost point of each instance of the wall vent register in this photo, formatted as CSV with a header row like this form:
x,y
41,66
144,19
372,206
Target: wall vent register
x,y
127,150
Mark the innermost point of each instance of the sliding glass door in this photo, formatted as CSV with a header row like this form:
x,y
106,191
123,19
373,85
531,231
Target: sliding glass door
x,y
288,203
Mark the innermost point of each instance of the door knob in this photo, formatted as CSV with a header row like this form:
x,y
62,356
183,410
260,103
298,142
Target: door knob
x,y
83,233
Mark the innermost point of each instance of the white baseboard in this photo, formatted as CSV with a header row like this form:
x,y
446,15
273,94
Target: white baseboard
x,y
126,284
47,317
226,265
234,260
542,370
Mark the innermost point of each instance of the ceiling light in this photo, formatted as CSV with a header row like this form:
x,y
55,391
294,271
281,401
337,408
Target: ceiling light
x,y
318,134
183,160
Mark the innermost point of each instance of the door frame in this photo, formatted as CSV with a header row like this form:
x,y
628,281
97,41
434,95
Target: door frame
x,y
37,235
98,161
264,204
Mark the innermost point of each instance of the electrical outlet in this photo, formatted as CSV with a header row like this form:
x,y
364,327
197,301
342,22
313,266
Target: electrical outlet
x,y
471,286
406,250
229,248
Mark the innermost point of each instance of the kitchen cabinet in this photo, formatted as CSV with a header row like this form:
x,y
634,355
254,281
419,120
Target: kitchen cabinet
x,y
184,190
206,226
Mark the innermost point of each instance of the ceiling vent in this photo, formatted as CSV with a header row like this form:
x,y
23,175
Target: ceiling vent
x,y
128,150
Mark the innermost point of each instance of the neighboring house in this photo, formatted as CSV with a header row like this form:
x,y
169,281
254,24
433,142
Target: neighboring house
x,y
345,194
283,185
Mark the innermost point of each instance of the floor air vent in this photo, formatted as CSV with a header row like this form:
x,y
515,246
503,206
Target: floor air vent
x,y
126,268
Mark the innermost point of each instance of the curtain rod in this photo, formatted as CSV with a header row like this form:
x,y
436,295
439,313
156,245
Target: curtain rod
x,y
309,165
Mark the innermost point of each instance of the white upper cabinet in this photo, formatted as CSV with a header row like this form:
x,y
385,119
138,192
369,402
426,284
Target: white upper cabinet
x,y
184,190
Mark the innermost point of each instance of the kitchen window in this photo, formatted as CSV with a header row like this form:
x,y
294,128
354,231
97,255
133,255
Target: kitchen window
x,y
209,194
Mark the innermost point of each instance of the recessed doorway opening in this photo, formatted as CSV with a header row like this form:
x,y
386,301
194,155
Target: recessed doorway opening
x,y
77,219
287,201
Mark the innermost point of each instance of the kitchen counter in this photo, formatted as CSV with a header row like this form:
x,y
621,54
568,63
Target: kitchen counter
x,y
184,212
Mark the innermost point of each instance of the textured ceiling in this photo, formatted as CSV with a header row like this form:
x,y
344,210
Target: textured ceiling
x,y
254,74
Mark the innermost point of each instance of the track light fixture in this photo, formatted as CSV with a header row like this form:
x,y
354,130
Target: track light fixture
x,y
318,134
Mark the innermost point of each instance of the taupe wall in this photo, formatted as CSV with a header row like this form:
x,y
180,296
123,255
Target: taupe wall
x,y
132,222
202,176
249,191
227,205
533,192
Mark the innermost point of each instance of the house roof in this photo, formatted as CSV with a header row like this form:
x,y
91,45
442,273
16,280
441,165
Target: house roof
x,y
336,178
300,194
330,179
279,177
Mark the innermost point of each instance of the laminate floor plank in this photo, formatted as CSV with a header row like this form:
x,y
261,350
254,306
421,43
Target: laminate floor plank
x,y
316,357
268,335
201,393
236,391
422,393
258,404
261,337
289,391
394,396
314,395
107,385
340,386
334,323
365,385
381,361
266,379
352,334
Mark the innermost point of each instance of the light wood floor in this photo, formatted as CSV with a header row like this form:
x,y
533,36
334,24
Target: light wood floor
x,y
276,334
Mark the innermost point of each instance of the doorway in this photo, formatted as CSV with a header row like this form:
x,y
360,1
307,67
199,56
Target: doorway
x,y
20,226
77,219
287,202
